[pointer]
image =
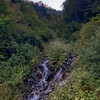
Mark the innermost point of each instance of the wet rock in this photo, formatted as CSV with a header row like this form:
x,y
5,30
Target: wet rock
x,y
42,80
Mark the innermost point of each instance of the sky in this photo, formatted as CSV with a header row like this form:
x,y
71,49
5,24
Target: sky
x,y
56,4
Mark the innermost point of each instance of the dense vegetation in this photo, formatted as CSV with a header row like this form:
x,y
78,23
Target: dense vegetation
x,y
81,30
74,14
86,76
23,34
26,32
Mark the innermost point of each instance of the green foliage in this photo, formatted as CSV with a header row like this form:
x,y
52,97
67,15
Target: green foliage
x,y
56,52
88,46
3,7
80,10
17,68
7,43
69,31
83,87
74,14
92,53
22,35
85,77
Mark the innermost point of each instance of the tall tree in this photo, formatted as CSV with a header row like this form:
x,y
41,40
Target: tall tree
x,y
80,10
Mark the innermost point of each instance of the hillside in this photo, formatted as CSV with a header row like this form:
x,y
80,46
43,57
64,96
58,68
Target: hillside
x,y
47,54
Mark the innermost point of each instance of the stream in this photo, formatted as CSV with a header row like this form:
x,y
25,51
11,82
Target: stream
x,y
41,80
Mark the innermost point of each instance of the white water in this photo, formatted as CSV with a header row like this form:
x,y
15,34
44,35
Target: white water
x,y
41,85
58,76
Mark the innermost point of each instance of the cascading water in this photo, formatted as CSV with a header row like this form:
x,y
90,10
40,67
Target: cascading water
x,y
58,76
39,89
41,86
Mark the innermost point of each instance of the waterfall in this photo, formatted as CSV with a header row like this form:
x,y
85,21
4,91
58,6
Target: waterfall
x,y
40,85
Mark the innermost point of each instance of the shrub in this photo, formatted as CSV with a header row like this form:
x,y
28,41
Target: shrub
x,y
56,51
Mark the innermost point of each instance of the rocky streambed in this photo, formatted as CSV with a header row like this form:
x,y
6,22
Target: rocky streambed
x,y
42,80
